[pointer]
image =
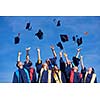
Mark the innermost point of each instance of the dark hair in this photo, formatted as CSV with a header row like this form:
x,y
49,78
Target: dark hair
x,y
17,63
93,71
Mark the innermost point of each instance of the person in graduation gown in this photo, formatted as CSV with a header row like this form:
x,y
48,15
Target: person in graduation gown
x,y
21,75
75,75
58,75
44,73
65,66
28,66
52,61
70,69
89,75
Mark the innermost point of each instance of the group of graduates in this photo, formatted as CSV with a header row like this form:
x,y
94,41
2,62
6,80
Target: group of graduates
x,y
49,72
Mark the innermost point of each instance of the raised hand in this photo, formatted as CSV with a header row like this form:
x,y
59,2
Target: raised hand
x,y
52,47
81,57
27,49
60,54
38,50
65,55
19,53
79,49
53,51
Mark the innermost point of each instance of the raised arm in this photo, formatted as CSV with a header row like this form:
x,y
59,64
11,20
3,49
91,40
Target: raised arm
x,y
39,58
53,51
39,61
61,59
60,54
78,52
27,55
27,63
18,57
27,51
62,63
67,60
81,62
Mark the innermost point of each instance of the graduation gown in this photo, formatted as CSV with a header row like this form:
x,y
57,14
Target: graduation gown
x,y
21,76
31,71
59,77
88,78
65,70
75,77
44,76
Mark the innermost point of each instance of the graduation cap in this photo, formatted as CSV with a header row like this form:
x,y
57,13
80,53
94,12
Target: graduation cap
x,y
59,44
17,39
28,26
64,38
39,34
76,35
74,39
79,41
58,23
75,61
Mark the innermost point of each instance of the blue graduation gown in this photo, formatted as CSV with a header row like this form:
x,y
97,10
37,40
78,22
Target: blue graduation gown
x,y
28,66
38,69
89,76
65,70
67,73
39,66
53,61
77,78
62,65
63,79
21,77
44,78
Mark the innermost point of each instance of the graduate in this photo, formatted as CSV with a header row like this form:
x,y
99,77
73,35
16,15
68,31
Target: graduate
x,y
28,66
21,75
65,67
58,75
44,73
70,69
75,76
89,75
52,61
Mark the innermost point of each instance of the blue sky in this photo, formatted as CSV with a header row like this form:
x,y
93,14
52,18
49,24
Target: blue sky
x,y
70,25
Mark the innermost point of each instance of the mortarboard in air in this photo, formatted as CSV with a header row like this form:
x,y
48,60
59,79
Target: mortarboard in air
x,y
28,26
58,23
59,44
17,39
64,38
74,38
79,41
76,35
39,34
